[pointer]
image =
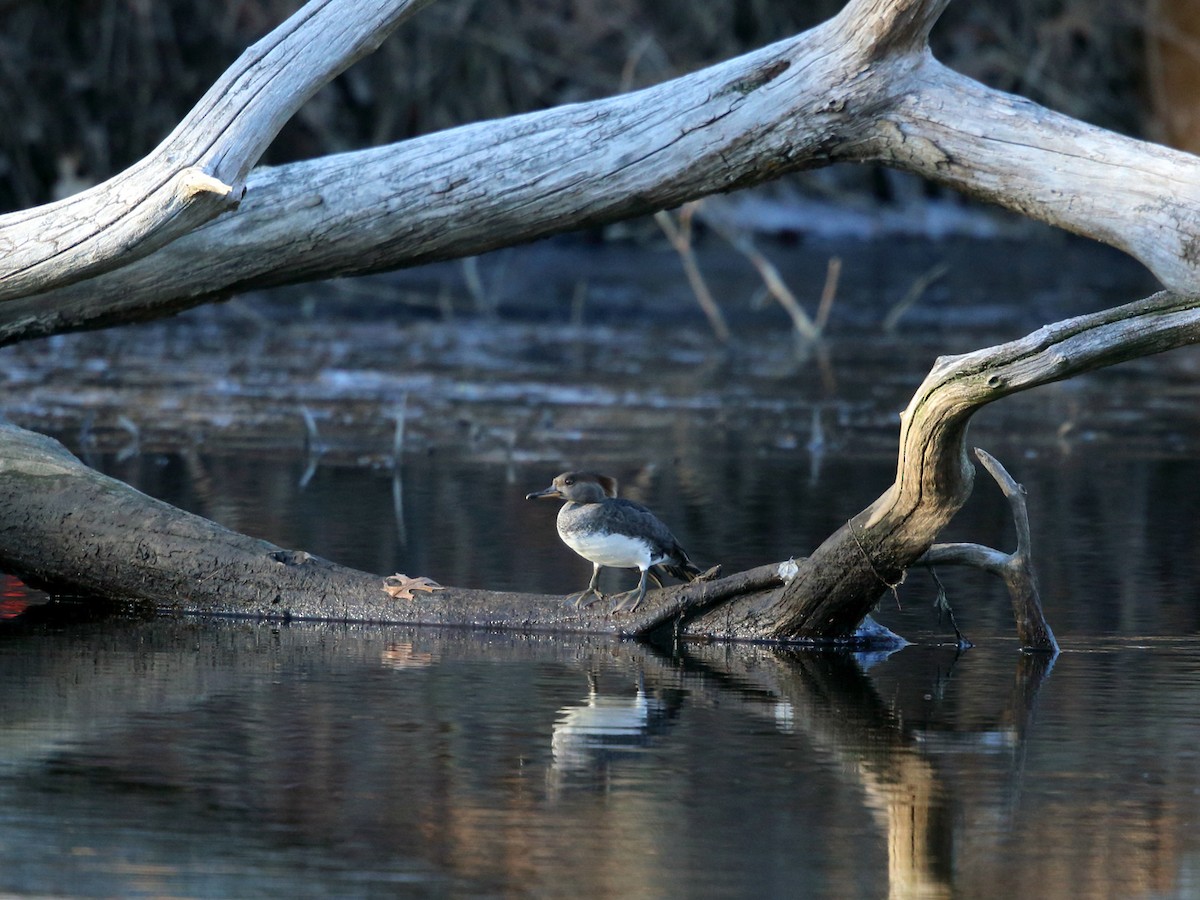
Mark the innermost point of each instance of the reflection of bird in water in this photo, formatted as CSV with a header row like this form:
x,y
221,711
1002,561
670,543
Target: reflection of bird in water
x,y
610,531
608,725
403,655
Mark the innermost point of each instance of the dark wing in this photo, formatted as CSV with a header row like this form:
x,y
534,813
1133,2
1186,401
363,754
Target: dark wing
x,y
635,517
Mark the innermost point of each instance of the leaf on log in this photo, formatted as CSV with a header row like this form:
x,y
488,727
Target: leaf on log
x,y
401,587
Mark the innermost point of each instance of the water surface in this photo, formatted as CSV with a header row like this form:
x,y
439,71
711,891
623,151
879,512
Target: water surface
x,y
236,759
151,757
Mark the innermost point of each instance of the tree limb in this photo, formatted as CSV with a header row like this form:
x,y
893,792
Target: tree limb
x,y
199,170
841,581
861,87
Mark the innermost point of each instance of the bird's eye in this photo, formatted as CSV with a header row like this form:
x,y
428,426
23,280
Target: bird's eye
x,y
568,481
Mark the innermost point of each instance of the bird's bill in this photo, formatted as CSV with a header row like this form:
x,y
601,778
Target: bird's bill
x,y
549,492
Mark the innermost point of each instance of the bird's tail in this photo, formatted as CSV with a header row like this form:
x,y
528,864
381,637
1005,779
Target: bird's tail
x,y
683,571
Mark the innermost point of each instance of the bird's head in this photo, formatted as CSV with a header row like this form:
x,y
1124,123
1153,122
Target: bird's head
x,y
579,487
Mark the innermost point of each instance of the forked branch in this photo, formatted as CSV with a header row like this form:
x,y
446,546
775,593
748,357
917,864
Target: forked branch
x,y
841,581
1015,569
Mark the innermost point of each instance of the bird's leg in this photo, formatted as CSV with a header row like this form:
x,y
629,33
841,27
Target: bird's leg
x,y
623,599
657,580
576,600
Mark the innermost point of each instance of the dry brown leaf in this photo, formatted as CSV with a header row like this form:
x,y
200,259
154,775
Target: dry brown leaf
x,y
401,587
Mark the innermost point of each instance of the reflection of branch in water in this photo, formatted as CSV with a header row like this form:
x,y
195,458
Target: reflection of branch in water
x,y
314,448
838,708
829,703
843,714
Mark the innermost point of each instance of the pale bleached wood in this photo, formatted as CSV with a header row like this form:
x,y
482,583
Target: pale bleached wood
x,y
1134,195
843,579
860,87
199,170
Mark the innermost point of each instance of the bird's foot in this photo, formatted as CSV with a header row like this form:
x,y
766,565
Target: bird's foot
x,y
577,600
628,601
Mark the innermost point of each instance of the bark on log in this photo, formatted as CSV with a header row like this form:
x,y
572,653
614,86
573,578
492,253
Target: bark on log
x,y
89,534
861,87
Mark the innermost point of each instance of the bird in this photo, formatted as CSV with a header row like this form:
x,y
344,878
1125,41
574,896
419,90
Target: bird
x,y
607,530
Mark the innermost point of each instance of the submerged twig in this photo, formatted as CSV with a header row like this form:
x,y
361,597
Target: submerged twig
x,y
400,414
942,603
914,293
313,448
680,237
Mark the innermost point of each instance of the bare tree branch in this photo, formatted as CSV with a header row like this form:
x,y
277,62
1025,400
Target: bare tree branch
x,y
861,87
199,170
841,581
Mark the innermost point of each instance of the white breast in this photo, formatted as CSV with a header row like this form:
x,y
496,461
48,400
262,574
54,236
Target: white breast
x,y
611,549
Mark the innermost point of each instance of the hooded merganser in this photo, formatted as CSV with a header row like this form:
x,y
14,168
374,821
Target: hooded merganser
x,y
610,531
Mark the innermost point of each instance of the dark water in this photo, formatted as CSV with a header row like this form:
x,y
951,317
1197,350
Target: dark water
x,y
233,759
150,757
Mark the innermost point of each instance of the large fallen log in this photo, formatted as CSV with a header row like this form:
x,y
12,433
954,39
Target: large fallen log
x,y
861,87
70,528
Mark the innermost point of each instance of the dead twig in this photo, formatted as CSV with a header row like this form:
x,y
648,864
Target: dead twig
x,y
772,281
833,273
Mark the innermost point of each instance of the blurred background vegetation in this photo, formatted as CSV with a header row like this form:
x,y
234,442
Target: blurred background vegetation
x,y
89,86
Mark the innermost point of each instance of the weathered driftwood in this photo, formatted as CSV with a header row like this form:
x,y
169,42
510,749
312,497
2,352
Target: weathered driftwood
x,y
199,170
863,86
844,577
